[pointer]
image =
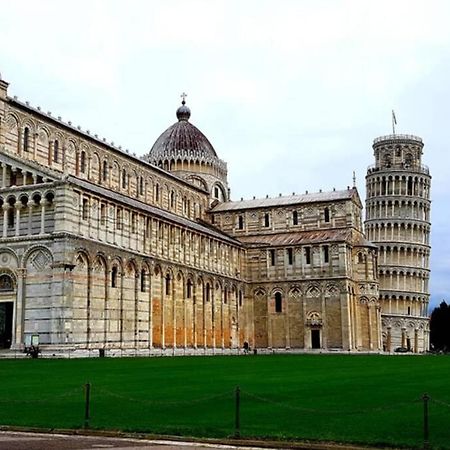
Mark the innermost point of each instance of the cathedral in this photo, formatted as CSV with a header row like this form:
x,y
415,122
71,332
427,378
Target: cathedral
x,y
104,252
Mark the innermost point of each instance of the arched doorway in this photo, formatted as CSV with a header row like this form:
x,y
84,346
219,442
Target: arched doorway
x,y
6,310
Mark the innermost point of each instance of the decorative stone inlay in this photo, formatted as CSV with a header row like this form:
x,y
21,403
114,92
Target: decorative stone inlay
x,y
40,260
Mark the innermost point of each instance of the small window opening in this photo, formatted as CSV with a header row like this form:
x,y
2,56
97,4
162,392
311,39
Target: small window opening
x,y
141,186
225,296
124,179
294,217
105,171
114,277
82,162
168,283
11,217
119,219
55,151
410,186
143,280
240,222
266,220
85,213
102,214
308,255
409,310
189,289
290,254
326,253
326,213
207,292
240,298
272,257
26,139
278,302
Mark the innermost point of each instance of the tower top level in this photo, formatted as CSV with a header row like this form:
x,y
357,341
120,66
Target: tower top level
x,y
398,152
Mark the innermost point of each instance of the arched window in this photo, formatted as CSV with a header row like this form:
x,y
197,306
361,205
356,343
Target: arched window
x,y
6,283
278,302
157,193
114,277
294,217
143,280
207,292
168,284
172,199
82,162
124,178
55,151
189,289
10,216
141,186
240,298
105,171
326,214
26,139
266,220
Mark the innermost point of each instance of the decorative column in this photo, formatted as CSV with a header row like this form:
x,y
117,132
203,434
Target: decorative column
x,y
18,206
4,175
5,208
388,340
43,204
18,338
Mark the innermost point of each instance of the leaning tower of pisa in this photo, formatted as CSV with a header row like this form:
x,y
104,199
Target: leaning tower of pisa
x,y
398,222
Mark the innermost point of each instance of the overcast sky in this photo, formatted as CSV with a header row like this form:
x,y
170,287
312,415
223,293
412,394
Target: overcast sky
x,y
290,93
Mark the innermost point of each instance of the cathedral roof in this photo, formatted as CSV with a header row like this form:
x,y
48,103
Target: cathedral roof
x,y
182,141
287,200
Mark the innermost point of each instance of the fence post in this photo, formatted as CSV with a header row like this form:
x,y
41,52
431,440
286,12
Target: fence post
x,y
87,405
426,431
237,426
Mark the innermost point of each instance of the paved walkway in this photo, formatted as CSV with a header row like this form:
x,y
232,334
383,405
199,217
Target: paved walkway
x,y
15,440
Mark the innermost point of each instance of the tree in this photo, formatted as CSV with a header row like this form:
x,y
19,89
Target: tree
x,y
440,327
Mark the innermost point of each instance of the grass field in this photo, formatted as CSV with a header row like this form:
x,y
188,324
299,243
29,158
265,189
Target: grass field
x,y
366,399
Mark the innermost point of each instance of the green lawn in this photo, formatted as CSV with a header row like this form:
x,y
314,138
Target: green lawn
x,y
367,399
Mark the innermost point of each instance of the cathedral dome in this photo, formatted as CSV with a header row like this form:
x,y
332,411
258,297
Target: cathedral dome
x,y
185,151
182,141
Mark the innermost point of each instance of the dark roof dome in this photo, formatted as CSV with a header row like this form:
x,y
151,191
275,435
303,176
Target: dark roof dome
x,y
182,140
183,112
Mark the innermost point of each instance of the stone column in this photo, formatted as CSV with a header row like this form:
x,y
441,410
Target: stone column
x,y
150,318
18,206
213,314
416,340
5,208
4,175
388,340
194,314
43,204
18,338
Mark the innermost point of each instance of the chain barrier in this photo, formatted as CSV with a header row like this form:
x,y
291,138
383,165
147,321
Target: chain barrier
x,y
164,402
440,402
330,411
76,391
